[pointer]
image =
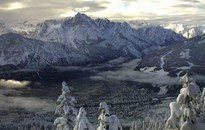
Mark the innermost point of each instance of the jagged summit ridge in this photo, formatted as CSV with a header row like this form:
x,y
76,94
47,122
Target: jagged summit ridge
x,y
82,19
188,31
83,33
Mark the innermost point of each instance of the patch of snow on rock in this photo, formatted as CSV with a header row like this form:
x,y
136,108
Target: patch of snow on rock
x,y
185,54
163,90
200,42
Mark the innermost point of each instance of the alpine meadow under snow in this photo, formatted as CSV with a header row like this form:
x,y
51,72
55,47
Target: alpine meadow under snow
x,y
116,75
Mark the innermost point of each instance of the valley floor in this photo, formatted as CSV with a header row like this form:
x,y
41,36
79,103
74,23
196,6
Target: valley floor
x,y
132,101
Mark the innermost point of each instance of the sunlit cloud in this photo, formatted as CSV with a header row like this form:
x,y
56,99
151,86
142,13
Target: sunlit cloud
x,y
13,83
13,6
81,9
87,0
14,100
68,14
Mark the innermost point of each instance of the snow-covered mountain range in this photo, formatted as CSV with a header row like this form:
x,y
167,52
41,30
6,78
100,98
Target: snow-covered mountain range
x,y
87,35
80,39
188,31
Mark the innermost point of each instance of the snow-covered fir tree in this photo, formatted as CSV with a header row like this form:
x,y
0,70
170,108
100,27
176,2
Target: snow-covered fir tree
x,y
65,110
82,122
107,121
187,112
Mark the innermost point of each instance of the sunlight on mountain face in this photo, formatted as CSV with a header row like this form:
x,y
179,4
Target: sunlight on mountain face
x,y
13,83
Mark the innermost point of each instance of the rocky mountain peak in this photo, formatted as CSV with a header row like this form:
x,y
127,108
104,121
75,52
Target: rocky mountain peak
x,y
82,19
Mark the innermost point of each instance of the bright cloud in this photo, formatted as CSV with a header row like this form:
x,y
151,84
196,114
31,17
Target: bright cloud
x,y
15,5
13,83
12,6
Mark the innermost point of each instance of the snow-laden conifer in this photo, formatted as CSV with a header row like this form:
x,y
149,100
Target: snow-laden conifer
x,y
65,110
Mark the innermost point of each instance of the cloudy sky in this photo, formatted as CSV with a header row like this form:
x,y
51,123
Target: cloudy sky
x,y
174,11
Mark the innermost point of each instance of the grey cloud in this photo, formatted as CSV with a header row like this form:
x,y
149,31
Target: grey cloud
x,y
36,10
92,6
15,100
63,4
184,19
4,2
191,1
185,5
28,103
192,5
127,73
28,15
157,19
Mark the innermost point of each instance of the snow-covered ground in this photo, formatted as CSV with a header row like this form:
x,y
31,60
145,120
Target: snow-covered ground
x,y
202,42
163,90
162,60
185,54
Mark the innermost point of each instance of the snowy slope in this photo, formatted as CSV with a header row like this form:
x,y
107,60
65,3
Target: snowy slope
x,y
157,35
137,24
4,28
25,28
188,31
179,57
24,52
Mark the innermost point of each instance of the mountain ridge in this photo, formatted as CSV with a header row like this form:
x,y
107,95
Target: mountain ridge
x,y
82,39
188,31
178,58
99,32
